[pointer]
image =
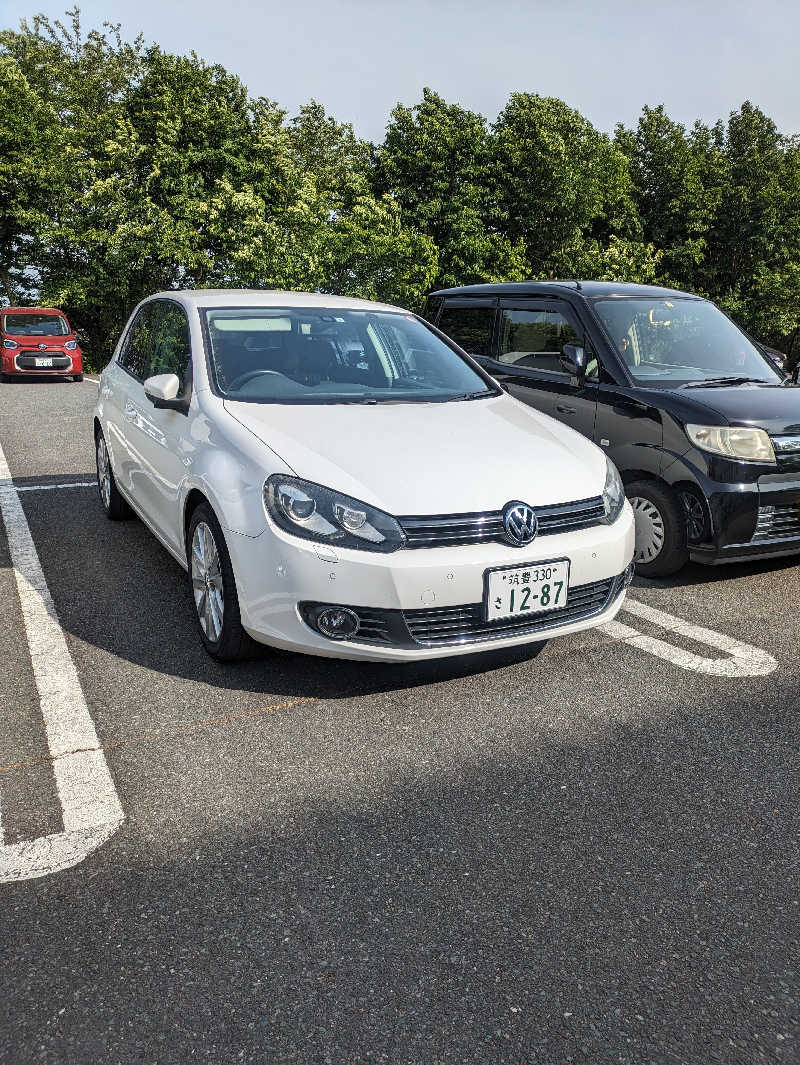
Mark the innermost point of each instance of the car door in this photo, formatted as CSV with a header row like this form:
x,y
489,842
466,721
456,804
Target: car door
x,y
526,359
160,436
122,389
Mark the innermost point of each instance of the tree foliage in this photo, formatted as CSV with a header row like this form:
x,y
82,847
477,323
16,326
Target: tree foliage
x,y
125,170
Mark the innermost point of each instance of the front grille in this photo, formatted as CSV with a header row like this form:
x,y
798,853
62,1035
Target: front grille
x,y
28,362
777,523
460,624
449,530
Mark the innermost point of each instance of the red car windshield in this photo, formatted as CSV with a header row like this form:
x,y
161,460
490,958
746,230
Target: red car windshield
x,y
35,325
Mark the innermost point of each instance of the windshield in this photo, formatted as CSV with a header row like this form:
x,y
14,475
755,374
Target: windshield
x,y
669,341
283,355
35,325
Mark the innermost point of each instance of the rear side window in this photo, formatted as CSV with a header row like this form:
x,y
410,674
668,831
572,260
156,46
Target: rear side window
x,y
534,338
138,344
171,349
431,312
470,327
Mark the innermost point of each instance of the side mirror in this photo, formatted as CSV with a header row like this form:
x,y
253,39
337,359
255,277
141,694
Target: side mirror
x,y
162,391
573,360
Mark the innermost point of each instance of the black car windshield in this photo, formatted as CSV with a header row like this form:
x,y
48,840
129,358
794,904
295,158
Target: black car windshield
x,y
298,355
35,325
681,341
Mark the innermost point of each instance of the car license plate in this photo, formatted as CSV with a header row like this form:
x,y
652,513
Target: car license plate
x,y
530,589
44,362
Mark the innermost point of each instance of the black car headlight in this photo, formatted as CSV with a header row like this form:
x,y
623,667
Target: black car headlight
x,y
613,494
313,512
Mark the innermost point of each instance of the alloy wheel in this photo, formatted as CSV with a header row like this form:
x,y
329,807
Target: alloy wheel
x,y
650,533
103,472
207,582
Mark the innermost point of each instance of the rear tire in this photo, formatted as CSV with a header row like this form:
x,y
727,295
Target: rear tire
x,y
116,508
213,585
661,547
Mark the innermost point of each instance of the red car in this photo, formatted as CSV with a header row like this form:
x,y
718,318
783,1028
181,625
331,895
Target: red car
x,y
38,341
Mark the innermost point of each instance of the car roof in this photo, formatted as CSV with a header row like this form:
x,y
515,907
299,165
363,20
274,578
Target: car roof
x,y
259,297
590,289
31,310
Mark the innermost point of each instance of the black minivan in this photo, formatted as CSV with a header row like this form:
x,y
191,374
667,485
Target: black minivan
x,y
703,427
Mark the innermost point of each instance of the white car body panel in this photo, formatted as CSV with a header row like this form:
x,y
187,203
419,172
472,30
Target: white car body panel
x,y
404,458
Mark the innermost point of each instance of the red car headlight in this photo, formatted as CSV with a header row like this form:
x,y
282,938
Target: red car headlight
x,y
10,344
71,345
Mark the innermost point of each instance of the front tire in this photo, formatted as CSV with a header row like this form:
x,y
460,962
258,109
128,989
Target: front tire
x,y
116,508
214,591
77,377
661,547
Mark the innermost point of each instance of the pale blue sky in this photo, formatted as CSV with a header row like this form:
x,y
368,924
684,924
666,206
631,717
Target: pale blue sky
x,y
359,58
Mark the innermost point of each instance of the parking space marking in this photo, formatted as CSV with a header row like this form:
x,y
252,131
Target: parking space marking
x,y
745,660
51,487
90,805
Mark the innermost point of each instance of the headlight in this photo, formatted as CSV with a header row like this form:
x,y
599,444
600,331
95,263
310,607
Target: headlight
x,y
71,345
10,344
746,445
613,493
315,513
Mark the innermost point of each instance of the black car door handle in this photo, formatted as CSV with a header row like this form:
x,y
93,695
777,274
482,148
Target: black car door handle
x,y
562,409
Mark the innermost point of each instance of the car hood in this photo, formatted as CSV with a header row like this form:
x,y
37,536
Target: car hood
x,y
431,458
775,408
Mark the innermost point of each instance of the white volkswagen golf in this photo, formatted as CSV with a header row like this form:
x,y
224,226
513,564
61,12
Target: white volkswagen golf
x,y
339,478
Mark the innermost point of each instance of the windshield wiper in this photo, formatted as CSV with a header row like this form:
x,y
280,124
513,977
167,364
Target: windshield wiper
x,y
480,394
712,382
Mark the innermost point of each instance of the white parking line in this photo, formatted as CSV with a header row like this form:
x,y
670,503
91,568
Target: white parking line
x,y
94,380
90,805
51,487
744,661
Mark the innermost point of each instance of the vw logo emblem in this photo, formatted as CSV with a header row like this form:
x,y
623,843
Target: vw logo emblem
x,y
520,524
42,347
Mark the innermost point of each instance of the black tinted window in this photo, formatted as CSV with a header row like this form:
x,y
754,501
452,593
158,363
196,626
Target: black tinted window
x,y
470,327
171,350
138,344
535,338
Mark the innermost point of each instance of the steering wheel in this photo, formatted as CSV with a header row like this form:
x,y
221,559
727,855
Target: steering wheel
x,y
243,378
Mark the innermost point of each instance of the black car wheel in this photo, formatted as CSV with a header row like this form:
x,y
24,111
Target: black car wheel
x,y
660,529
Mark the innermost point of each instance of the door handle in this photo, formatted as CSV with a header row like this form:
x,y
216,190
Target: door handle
x,y
563,409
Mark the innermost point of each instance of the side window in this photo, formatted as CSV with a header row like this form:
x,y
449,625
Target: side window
x,y
470,327
535,338
171,348
135,354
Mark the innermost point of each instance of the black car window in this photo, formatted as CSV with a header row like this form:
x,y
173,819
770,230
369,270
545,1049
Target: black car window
x,y
138,343
535,338
470,327
171,349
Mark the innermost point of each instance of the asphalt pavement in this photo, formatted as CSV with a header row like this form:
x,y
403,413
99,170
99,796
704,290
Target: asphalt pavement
x,y
583,851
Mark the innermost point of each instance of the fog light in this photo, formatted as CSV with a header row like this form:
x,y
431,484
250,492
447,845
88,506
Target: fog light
x,y
337,623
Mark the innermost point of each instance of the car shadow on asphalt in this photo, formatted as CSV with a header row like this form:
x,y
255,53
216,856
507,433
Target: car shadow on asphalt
x,y
116,588
694,574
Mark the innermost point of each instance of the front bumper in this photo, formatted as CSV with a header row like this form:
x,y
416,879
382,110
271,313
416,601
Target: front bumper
x,y
749,521
276,573
23,363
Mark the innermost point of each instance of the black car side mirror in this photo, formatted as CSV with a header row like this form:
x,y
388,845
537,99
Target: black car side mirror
x,y
573,360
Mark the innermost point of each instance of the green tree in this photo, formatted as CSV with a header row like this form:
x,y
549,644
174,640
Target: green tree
x,y
436,163
563,188
677,190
